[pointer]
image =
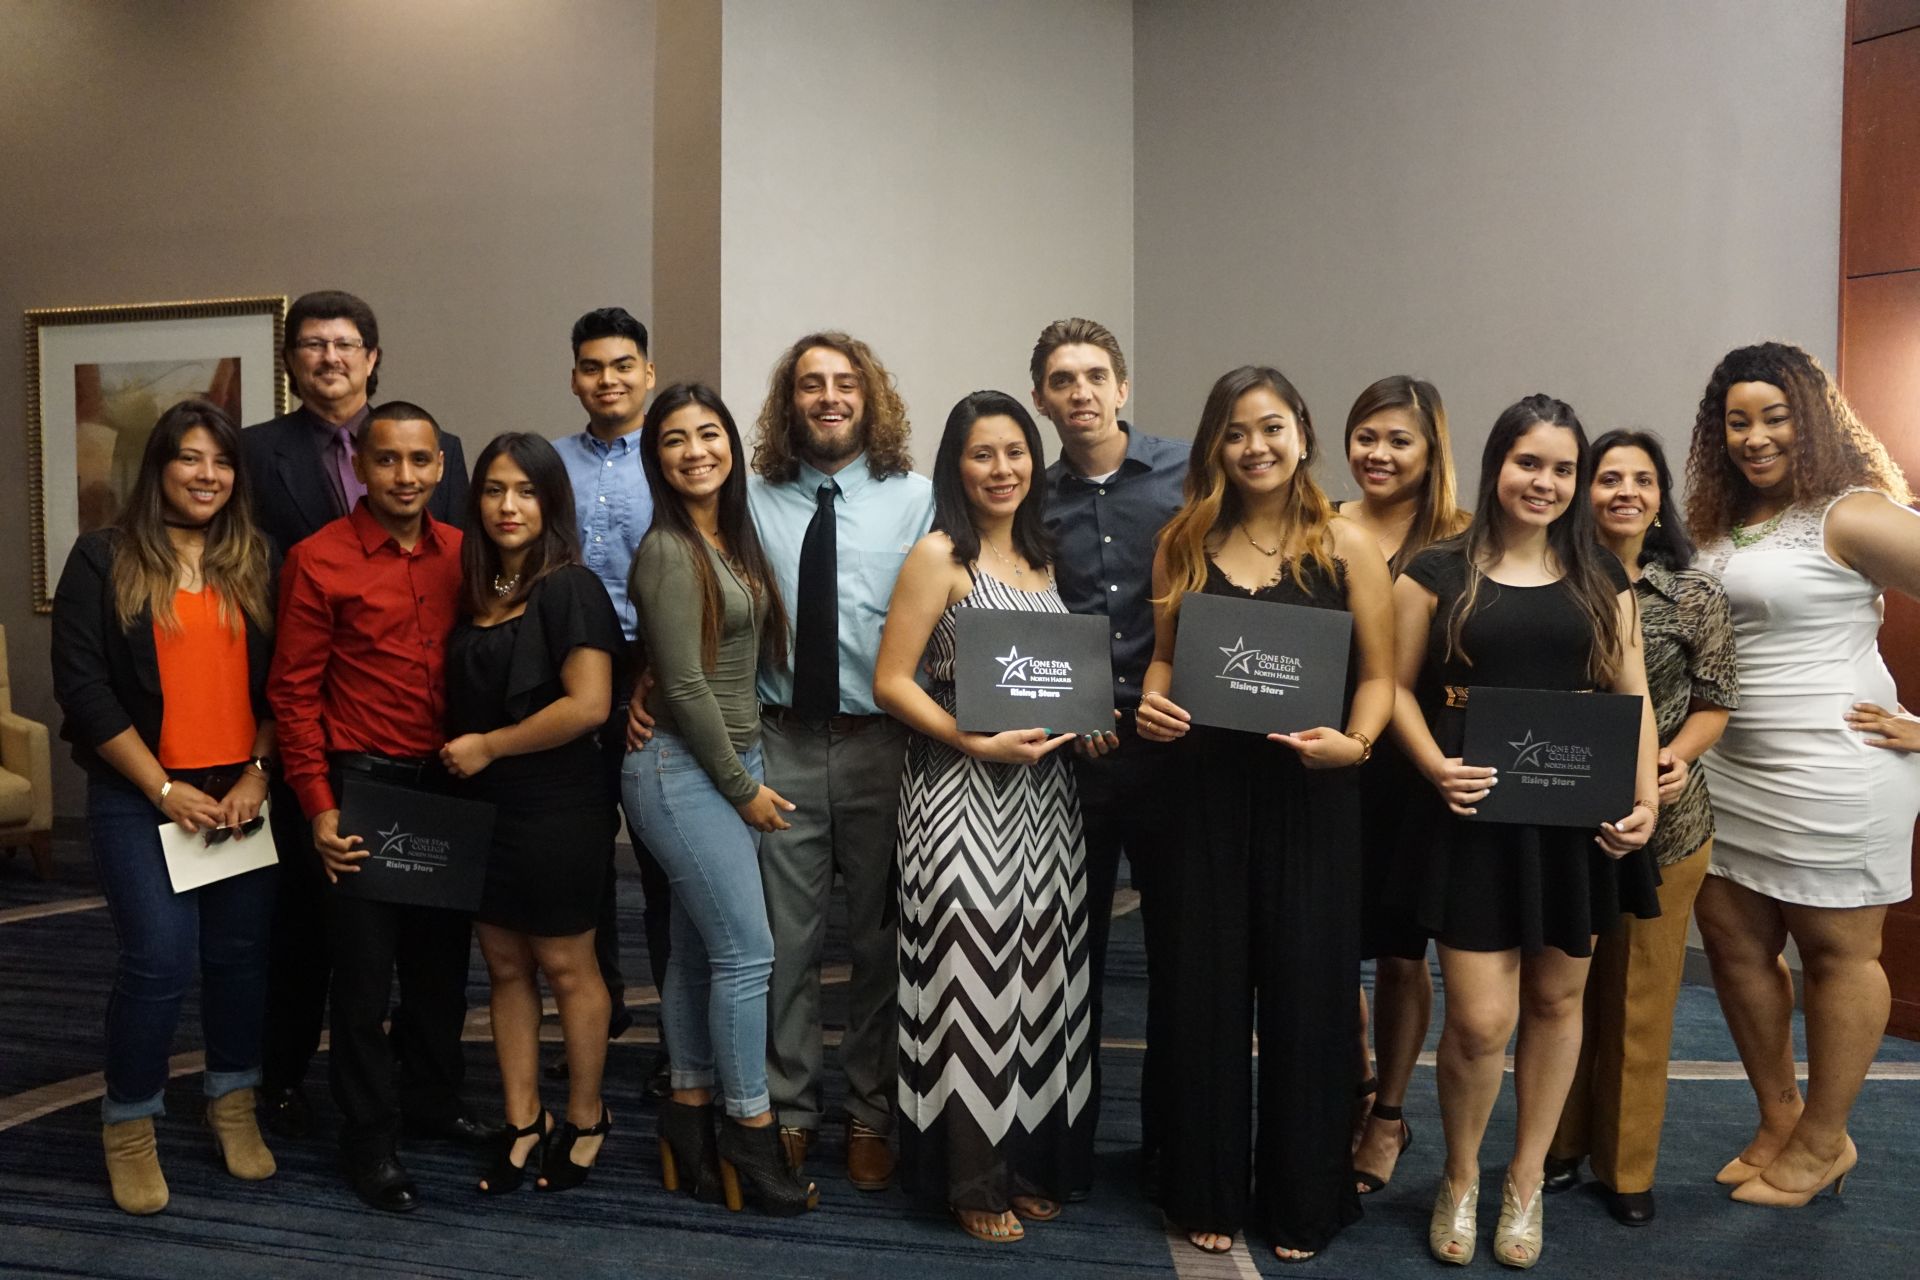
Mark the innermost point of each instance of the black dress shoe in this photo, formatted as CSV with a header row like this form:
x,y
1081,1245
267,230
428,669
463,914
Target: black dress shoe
x,y
1630,1208
384,1185
464,1130
660,1080
286,1112
1561,1175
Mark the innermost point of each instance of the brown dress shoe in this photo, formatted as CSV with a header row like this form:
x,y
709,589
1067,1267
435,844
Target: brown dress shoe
x,y
794,1141
869,1158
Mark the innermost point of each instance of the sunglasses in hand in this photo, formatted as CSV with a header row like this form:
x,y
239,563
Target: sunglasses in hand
x,y
216,835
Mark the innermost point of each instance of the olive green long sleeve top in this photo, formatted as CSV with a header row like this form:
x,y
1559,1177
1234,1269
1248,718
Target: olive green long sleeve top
x,y
715,712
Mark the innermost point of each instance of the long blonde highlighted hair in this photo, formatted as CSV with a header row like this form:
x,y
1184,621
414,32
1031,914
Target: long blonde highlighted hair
x,y
1213,505
146,567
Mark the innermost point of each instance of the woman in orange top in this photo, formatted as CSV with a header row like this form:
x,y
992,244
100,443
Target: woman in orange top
x,y
160,649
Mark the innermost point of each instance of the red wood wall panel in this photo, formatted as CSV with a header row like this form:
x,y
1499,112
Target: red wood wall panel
x,y
1869,18
1880,177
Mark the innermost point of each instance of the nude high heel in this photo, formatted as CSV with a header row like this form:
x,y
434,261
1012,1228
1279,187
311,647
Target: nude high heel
x,y
1760,1191
1524,1229
1454,1222
1735,1172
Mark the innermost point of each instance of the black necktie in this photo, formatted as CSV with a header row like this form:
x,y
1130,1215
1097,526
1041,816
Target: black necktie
x,y
816,650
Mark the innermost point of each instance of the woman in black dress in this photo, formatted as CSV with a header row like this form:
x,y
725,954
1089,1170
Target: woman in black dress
x,y
1525,598
1265,892
529,682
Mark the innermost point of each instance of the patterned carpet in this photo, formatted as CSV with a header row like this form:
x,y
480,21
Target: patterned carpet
x,y
56,1218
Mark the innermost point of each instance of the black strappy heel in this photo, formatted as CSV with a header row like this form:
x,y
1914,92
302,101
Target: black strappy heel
x,y
503,1175
1371,1182
559,1172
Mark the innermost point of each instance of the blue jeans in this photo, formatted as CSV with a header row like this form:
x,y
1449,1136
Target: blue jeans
x,y
221,929
715,1002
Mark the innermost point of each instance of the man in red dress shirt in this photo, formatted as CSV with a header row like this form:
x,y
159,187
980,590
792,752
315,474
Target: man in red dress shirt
x,y
358,687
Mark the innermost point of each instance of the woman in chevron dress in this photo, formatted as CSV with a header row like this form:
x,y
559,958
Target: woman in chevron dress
x,y
995,1057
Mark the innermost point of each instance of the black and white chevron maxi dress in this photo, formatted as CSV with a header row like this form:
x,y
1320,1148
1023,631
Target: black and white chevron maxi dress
x,y
995,1056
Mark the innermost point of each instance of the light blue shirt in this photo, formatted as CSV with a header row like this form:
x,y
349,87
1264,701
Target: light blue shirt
x,y
876,522
614,507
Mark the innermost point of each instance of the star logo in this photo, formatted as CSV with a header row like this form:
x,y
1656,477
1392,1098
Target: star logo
x,y
393,838
1527,750
1013,666
1239,657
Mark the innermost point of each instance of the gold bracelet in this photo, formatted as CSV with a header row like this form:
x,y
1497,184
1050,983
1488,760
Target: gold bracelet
x,y
164,788
1652,806
1366,745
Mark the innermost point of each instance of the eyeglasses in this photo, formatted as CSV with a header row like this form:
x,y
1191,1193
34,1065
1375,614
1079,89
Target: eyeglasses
x,y
218,835
319,346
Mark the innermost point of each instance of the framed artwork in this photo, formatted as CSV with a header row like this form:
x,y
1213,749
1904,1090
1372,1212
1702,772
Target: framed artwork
x,y
97,380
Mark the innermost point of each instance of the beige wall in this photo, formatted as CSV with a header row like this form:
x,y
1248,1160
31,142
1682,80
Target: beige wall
x,y
1595,200
481,172
939,179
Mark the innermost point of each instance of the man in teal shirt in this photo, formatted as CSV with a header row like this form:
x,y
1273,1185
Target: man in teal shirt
x,y
837,509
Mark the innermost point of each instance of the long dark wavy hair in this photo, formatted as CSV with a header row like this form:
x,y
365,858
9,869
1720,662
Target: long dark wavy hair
x,y
953,513
559,541
1667,540
234,562
1571,539
1213,504
1832,449
1436,512
670,520
780,437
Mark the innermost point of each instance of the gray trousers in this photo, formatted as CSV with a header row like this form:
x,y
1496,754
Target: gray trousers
x,y
847,787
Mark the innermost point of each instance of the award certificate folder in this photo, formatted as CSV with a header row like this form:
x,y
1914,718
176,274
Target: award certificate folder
x,y
1261,666
423,849
192,862
1018,670
1564,759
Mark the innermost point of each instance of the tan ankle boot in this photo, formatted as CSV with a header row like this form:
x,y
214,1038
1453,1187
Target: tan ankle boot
x,y
230,1116
133,1166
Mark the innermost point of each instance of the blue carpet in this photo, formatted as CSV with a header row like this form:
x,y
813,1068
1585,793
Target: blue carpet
x,y
56,1218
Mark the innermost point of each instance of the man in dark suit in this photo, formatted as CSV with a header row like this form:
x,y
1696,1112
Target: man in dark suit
x,y
300,468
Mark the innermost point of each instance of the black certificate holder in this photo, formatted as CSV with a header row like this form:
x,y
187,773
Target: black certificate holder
x,y
1018,670
424,849
1261,666
1564,759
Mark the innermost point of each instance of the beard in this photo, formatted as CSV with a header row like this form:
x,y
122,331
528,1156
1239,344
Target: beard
x,y
818,447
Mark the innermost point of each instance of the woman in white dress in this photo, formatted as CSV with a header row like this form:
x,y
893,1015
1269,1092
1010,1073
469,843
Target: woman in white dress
x,y
1802,513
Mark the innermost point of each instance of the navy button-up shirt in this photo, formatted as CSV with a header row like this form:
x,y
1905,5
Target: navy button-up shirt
x,y
614,507
1106,531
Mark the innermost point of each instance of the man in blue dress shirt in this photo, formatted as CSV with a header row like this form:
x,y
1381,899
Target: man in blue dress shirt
x,y
612,375
1108,494
837,509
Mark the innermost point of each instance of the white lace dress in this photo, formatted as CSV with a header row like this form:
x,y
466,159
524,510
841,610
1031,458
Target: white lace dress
x,y
1805,812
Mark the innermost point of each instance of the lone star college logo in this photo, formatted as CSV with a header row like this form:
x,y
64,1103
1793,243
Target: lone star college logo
x,y
1527,750
393,839
1013,666
1239,657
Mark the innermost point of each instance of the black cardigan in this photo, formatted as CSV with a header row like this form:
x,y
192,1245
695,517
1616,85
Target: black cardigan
x,y
107,679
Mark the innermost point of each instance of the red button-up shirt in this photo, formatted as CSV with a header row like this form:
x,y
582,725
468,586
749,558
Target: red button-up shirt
x,y
360,657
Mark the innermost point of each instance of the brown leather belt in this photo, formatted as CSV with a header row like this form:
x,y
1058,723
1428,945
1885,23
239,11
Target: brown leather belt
x,y
1457,694
843,723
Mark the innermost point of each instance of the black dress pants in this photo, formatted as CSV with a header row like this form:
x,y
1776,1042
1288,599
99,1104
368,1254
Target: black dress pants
x,y
1127,807
429,948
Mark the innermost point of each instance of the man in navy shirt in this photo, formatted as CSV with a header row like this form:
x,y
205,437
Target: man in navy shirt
x,y
1108,494
612,375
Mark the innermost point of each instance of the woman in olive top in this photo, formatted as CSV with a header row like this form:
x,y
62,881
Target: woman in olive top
x,y
708,613
160,646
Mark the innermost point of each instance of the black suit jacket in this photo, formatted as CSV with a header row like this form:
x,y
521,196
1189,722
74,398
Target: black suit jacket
x,y
106,678
291,496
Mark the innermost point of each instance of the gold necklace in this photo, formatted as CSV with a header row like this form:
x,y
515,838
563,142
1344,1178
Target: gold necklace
x,y
1745,537
1018,572
1265,551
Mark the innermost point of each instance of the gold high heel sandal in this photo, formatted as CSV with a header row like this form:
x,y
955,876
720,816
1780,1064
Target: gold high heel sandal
x,y
1760,1191
1524,1229
1735,1172
1454,1223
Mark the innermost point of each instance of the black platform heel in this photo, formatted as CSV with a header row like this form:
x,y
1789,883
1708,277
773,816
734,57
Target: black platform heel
x,y
503,1175
559,1172
753,1160
687,1154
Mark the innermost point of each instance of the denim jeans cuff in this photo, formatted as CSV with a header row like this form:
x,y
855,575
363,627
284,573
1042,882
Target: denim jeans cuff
x,y
219,1084
114,1111
680,1079
747,1108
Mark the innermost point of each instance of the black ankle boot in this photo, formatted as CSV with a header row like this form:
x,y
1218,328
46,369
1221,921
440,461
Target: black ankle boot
x,y
688,1161
752,1161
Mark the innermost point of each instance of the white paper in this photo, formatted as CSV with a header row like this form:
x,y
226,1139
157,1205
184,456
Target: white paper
x,y
192,862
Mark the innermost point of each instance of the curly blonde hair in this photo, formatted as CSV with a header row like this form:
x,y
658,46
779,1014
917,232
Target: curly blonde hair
x,y
779,437
1832,450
